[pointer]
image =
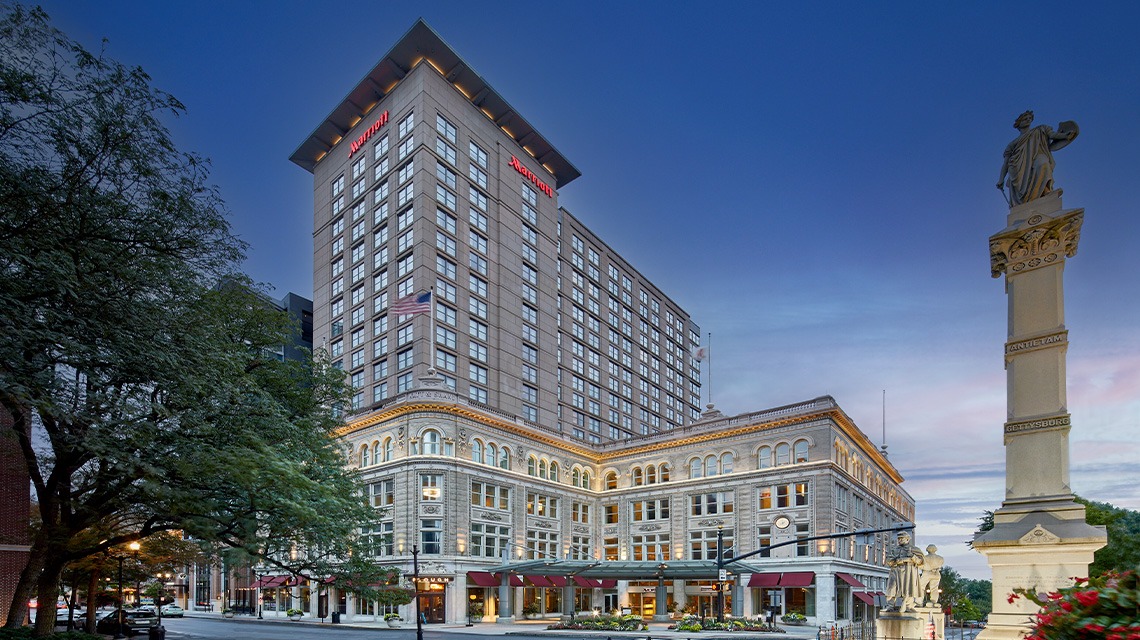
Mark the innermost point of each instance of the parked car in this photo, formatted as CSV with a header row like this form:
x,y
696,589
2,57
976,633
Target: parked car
x,y
148,608
134,622
172,611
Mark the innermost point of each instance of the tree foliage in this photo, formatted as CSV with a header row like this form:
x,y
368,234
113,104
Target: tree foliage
x,y
1122,553
150,393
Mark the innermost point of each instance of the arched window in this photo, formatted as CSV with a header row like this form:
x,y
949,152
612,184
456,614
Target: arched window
x,y
430,442
696,468
765,456
726,463
576,477
663,470
783,454
651,475
553,471
710,466
801,448
542,468
637,478
376,452
586,480
389,449
365,456
504,458
477,451
611,480
531,466
491,453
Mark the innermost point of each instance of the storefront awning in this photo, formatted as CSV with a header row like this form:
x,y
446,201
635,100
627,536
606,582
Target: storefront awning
x,y
608,583
586,583
865,597
516,581
849,579
268,582
797,579
482,579
539,581
558,581
762,580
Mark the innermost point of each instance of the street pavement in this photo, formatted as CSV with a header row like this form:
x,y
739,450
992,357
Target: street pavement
x,y
657,630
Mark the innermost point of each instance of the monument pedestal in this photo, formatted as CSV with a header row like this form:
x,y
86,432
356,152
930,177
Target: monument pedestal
x,y
924,623
1040,540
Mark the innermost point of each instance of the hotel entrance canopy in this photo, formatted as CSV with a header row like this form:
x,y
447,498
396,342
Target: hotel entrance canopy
x,y
626,569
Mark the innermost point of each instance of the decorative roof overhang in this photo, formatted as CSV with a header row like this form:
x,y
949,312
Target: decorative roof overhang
x,y
625,569
422,43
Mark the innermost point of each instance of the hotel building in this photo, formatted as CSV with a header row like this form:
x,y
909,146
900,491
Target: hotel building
x,y
545,407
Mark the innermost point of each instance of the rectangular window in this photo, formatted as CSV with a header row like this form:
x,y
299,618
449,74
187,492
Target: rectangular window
x,y
405,242
405,148
477,155
445,197
477,394
445,151
405,265
477,285
445,336
541,544
381,168
477,220
477,242
445,220
477,198
445,267
530,354
702,544
477,175
445,128
406,172
445,361
445,243
383,493
404,359
445,314
431,536
477,308
538,504
404,195
431,487
489,540
477,329
404,382
649,547
610,513
477,374
490,496
445,175
477,263
405,126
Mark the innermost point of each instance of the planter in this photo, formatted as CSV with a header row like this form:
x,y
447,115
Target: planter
x,y
295,617
394,624
227,614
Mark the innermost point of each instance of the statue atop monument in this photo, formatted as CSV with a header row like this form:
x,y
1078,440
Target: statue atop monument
x,y
1028,160
904,589
931,576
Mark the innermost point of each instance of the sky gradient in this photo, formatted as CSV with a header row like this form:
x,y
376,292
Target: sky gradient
x,y
813,182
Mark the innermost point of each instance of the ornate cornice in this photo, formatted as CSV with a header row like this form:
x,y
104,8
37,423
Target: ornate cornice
x,y
1045,241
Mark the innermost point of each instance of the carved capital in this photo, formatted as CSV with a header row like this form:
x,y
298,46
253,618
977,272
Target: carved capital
x,y
1045,241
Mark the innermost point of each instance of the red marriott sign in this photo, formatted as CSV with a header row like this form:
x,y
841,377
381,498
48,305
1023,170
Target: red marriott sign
x,y
527,173
376,126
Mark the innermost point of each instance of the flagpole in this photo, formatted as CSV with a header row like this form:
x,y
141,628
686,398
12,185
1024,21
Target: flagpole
x,y
431,332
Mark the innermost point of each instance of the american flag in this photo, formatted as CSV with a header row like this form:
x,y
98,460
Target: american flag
x,y
930,628
411,305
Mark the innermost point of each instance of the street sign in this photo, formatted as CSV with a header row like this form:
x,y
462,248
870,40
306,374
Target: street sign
x,y
723,575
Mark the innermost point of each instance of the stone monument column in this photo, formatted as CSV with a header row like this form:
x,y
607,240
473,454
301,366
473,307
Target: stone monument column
x,y
1040,540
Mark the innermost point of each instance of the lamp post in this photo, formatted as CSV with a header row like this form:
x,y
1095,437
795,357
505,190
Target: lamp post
x,y
134,547
416,579
470,605
120,613
257,575
720,573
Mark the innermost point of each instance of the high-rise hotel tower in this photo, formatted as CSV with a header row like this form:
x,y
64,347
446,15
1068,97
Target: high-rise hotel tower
x,y
426,179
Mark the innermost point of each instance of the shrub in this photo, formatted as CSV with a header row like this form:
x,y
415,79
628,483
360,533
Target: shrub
x,y
294,612
1101,607
392,616
794,618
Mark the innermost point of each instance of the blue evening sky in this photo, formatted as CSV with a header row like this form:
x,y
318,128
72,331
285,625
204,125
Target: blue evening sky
x,y
813,182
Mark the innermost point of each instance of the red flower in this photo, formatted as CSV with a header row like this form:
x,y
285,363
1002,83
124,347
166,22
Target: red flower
x,y
1067,606
1095,628
1087,598
1012,597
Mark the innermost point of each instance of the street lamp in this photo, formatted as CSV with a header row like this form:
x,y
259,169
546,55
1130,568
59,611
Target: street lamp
x,y
416,578
134,547
120,613
470,605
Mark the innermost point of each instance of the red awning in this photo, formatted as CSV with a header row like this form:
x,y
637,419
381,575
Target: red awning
x,y
764,580
482,578
516,581
268,582
797,579
329,580
558,581
539,581
849,579
586,583
865,597
608,583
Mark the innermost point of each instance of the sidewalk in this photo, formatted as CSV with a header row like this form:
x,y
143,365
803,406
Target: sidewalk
x,y
657,630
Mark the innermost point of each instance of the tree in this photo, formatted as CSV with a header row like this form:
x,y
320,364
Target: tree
x,y
1122,553
152,399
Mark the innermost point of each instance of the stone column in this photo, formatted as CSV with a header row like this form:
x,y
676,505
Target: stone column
x,y
1040,538
660,602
